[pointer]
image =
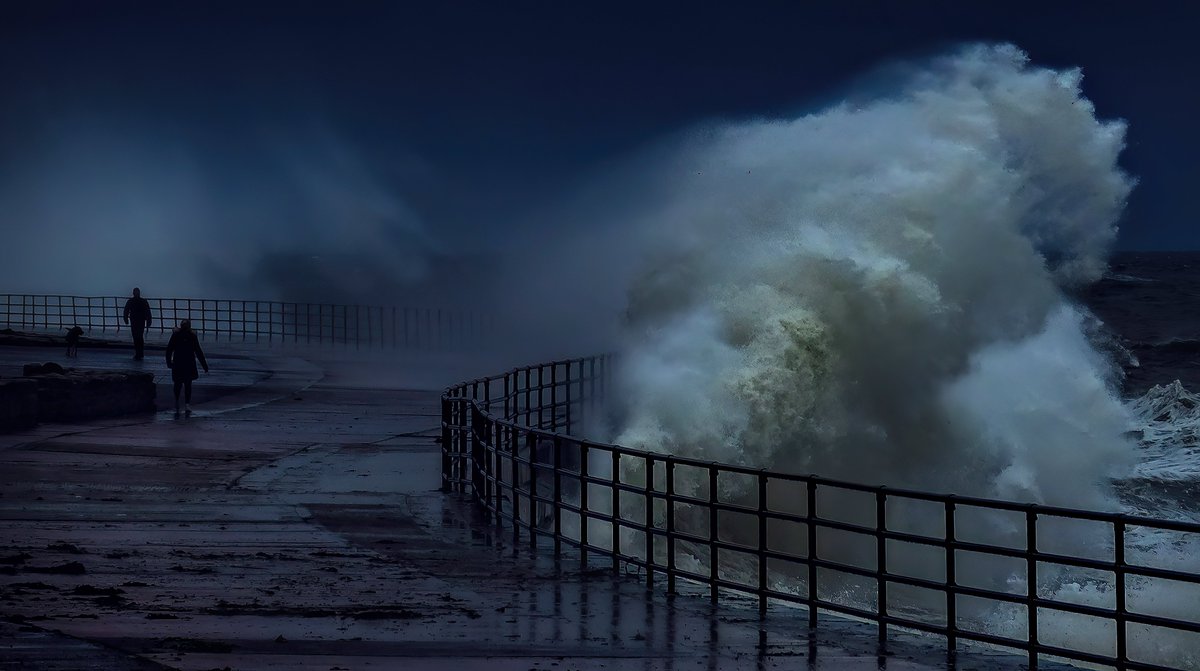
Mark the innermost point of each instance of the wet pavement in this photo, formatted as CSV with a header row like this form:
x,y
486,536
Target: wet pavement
x,y
293,522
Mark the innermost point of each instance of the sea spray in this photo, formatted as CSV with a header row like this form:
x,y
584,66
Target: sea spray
x,y
826,291
875,293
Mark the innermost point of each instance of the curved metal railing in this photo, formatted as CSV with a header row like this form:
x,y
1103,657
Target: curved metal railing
x,y
906,560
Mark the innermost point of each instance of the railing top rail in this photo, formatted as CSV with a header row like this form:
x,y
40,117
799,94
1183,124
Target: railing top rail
x,y
193,299
460,392
444,327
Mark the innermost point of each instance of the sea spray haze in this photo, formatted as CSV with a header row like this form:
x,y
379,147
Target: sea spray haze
x,y
99,205
879,293
875,292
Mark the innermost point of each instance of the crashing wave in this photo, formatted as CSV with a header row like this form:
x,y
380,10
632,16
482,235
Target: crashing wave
x,y
1167,425
876,292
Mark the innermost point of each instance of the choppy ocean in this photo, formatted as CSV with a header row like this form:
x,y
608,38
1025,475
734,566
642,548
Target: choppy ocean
x,y
1150,305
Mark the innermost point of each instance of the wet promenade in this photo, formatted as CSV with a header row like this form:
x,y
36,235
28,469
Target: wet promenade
x,y
293,522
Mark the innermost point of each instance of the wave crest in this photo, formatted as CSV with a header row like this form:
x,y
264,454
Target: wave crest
x,y
864,293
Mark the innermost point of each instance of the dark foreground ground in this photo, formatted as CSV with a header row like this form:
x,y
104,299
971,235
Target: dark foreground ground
x,y
293,523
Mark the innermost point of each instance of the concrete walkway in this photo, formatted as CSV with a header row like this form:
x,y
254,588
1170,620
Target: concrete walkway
x,y
293,523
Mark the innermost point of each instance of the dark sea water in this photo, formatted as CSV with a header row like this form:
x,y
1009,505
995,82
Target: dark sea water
x,y
1151,302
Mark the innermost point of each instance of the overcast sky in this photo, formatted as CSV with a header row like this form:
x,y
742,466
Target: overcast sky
x,y
469,116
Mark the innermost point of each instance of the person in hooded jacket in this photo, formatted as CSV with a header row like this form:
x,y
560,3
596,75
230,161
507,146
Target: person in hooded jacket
x,y
183,349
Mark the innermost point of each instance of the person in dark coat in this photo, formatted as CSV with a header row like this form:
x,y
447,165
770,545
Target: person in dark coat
x,y
182,351
137,315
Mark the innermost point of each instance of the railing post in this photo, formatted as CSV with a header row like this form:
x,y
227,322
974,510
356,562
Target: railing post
x,y
514,467
554,397
881,563
491,488
568,420
616,511
532,445
649,516
508,396
446,460
478,474
476,450
1031,582
557,493
713,518
669,464
529,396
951,582
811,515
541,397
762,541
1119,578
583,504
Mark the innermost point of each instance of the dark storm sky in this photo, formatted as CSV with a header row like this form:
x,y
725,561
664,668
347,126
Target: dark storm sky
x,y
474,112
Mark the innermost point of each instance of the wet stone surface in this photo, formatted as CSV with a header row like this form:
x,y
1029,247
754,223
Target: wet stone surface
x,y
293,523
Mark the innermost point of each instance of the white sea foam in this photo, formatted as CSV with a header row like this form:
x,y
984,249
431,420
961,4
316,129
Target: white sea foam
x,y
875,293
1167,419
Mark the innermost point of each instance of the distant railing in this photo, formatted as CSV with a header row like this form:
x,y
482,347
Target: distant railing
x,y
274,321
509,441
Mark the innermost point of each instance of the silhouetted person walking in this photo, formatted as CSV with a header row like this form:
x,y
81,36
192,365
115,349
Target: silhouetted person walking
x,y
137,315
182,351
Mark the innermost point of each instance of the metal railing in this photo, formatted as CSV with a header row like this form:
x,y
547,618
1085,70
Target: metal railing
x,y
510,441
276,321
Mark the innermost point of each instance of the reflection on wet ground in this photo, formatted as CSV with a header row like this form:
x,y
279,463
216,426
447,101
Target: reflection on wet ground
x,y
293,523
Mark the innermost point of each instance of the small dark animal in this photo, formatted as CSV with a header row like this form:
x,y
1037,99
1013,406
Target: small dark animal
x,y
73,335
